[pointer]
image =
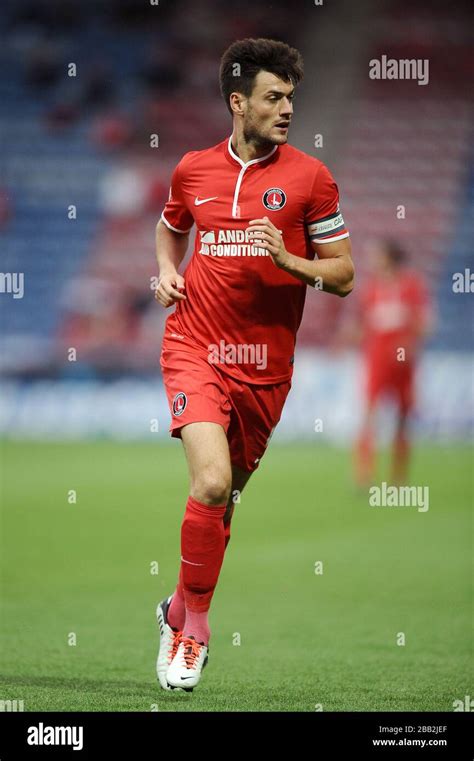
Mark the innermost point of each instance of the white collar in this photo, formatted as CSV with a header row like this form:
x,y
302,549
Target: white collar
x,y
252,161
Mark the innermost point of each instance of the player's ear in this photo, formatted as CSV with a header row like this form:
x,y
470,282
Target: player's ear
x,y
236,103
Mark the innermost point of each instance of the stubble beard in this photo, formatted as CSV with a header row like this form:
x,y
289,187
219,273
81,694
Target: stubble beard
x,y
253,136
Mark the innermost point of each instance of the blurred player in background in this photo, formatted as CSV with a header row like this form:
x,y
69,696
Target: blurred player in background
x,y
394,317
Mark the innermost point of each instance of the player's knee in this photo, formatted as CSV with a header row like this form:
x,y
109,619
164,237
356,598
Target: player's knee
x,y
212,488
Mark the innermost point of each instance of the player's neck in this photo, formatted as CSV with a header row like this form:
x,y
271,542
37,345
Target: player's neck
x,y
247,151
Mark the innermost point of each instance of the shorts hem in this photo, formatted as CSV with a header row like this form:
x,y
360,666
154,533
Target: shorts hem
x,y
175,430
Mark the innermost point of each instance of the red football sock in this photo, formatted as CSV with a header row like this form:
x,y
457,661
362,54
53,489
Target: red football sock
x,y
227,527
203,546
226,534
197,625
400,455
364,458
202,553
177,608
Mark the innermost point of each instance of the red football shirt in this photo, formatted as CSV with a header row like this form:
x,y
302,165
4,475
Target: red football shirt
x,y
392,311
242,311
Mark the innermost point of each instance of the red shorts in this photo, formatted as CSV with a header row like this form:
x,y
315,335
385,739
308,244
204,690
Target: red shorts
x,y
395,379
198,391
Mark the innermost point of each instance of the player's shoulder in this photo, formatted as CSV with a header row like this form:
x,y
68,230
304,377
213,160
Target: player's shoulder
x,y
309,172
309,164
191,159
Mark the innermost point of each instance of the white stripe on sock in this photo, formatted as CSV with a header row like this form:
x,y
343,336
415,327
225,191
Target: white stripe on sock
x,y
188,561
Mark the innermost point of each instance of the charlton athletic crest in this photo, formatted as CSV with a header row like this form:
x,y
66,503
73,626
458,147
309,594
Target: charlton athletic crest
x,y
274,199
179,404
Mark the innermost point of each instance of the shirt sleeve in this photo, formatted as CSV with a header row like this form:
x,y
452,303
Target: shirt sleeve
x,y
323,219
176,214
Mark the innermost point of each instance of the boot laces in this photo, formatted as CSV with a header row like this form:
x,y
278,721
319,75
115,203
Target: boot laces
x,y
174,644
192,650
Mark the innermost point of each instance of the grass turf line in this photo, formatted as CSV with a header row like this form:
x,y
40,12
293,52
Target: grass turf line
x,y
306,640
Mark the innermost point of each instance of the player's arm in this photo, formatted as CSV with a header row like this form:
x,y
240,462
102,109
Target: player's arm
x,y
171,248
332,271
423,315
172,237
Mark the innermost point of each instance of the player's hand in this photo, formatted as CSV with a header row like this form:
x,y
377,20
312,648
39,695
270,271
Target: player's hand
x,y
267,236
169,289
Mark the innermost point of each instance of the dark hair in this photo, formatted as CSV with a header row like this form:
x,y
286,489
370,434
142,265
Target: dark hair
x,y
395,252
254,55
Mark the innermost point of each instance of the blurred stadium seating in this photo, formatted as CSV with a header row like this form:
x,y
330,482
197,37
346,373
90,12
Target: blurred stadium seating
x,y
85,141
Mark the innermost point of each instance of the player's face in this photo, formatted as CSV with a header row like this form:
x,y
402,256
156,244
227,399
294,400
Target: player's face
x,y
378,258
268,111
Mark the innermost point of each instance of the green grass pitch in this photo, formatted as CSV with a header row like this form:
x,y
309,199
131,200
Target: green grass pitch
x,y
308,641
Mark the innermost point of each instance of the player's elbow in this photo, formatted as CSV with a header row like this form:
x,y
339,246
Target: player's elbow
x,y
346,289
346,286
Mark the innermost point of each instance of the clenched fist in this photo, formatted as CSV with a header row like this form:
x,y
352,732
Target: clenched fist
x,y
169,289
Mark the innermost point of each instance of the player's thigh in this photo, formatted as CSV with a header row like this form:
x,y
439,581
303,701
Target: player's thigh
x,y
370,411
255,415
207,453
404,393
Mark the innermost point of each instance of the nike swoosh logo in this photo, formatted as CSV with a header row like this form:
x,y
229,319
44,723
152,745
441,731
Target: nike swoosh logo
x,y
198,202
186,677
